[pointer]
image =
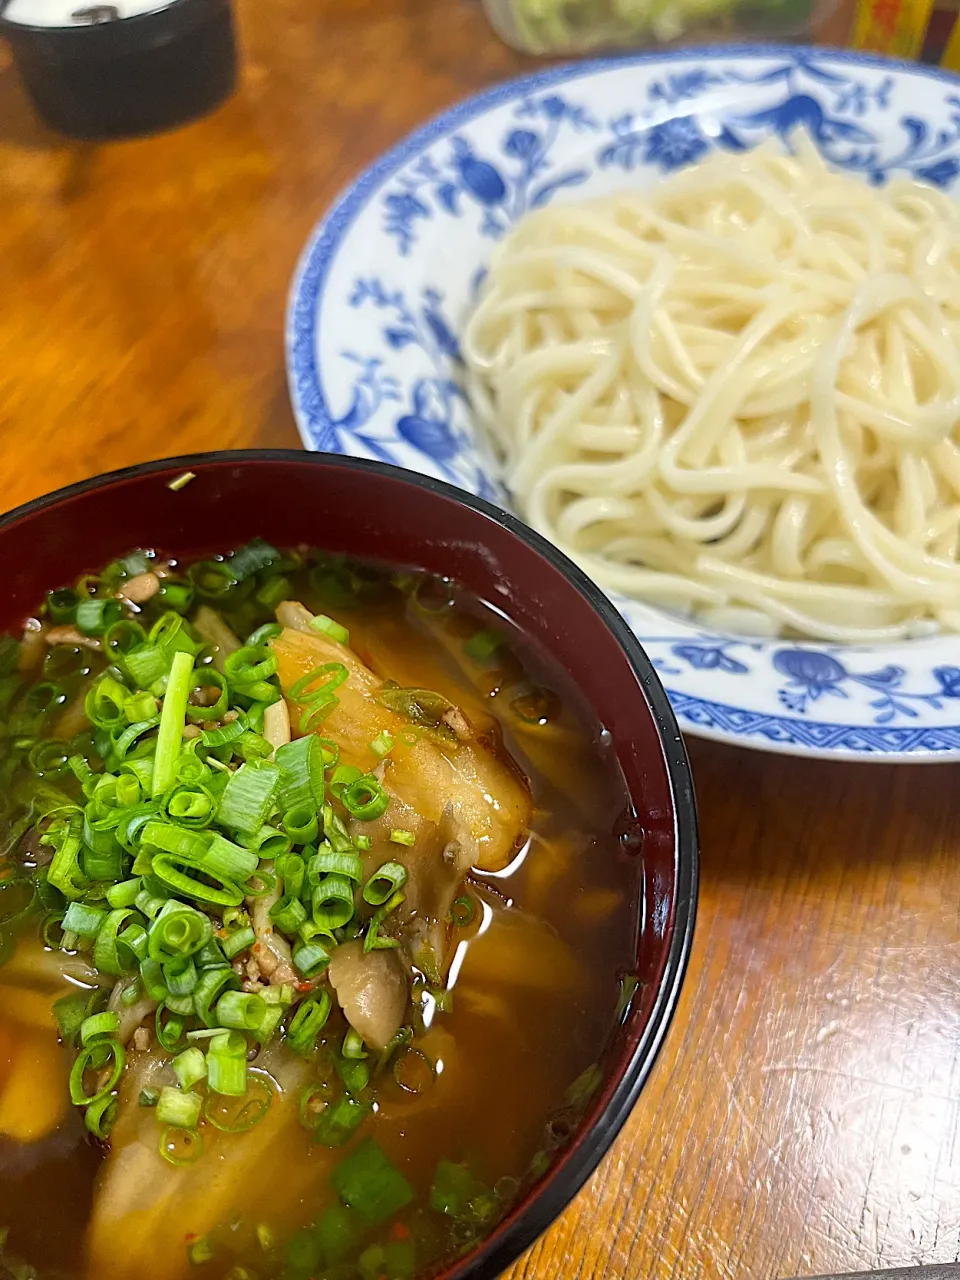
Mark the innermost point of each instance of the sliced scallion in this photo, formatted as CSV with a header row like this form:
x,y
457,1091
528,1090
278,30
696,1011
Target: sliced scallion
x,y
179,1108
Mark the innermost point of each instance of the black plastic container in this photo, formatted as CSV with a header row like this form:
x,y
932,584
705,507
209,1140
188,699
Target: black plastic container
x,y
112,73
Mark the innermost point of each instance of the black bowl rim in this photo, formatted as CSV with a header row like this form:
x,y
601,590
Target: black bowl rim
x,y
560,1188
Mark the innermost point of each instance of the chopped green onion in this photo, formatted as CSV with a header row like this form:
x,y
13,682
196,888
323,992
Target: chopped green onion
x,y
182,1006
307,1023
179,1109
62,605
69,1012
181,481
112,952
365,799
190,1067
240,940
332,902
310,959
457,1192
64,872
386,881
462,911
337,1232
327,861
227,1064
256,555
169,1029
288,914
210,955
146,664
208,678
140,706
373,940
342,776
83,920
302,1254
124,894
175,595
368,1182
105,703
130,994
100,1116
300,824
227,861
50,757
149,1097
223,736
248,796
353,1045
241,1010
212,984
233,1117
180,977
400,836
172,719
321,700
178,931
482,646
340,1121
190,804
98,1026
96,1056
273,592
248,666
175,874
200,1251
354,1072
301,767
291,868
151,975
330,628
180,1146
364,844
172,635
270,1024
94,617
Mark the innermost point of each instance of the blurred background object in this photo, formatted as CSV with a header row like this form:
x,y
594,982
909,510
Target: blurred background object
x,y
99,71
581,26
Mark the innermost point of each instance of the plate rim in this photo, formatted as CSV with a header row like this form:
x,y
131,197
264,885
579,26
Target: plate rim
x,y
302,327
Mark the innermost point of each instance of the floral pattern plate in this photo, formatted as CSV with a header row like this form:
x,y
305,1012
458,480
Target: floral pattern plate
x,y
386,281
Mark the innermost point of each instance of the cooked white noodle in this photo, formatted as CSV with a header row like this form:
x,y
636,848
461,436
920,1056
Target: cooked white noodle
x,y
739,393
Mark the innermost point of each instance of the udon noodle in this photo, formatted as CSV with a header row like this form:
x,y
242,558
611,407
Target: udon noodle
x,y
738,394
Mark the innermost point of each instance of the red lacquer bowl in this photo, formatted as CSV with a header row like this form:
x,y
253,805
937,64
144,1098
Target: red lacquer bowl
x,y
381,513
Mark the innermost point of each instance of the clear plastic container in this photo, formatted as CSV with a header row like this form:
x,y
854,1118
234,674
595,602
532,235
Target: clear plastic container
x,y
552,27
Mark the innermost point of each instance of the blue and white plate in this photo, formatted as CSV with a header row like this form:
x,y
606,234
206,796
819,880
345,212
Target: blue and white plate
x,y
388,277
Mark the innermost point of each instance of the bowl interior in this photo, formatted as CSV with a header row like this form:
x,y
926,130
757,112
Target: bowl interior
x,y
381,514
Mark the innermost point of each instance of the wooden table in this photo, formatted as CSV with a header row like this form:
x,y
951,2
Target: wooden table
x,y
803,1116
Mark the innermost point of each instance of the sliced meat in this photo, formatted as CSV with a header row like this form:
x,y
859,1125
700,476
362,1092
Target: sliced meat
x,y
140,588
271,951
212,628
145,1210
371,990
131,1015
436,864
489,802
276,724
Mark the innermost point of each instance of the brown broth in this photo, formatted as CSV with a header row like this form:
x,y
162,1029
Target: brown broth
x,y
535,981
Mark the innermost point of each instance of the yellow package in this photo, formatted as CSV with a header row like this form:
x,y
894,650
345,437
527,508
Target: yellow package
x,y
894,27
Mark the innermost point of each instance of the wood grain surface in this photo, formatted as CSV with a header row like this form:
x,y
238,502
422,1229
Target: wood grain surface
x,y
803,1117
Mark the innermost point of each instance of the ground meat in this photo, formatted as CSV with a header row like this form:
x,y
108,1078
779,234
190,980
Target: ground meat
x,y
70,635
140,589
141,1039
